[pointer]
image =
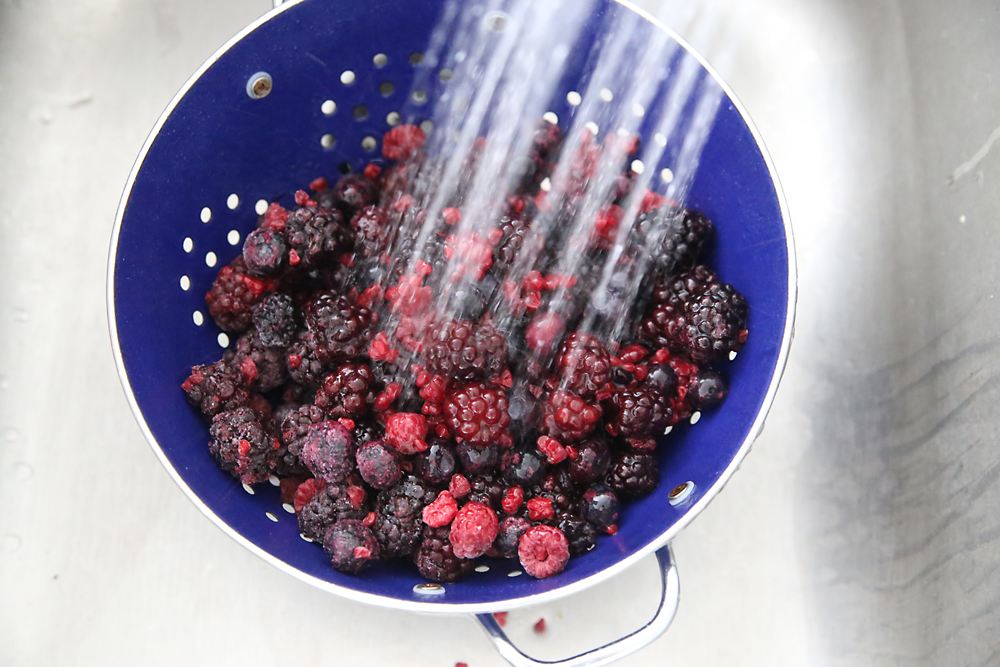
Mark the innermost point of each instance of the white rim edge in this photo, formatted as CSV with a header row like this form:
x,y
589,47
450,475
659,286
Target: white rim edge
x,y
458,608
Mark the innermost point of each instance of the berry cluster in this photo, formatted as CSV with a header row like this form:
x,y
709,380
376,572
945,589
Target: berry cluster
x,y
427,391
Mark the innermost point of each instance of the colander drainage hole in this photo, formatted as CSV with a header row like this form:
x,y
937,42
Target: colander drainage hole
x,y
428,589
574,98
211,259
232,201
368,144
360,112
695,418
606,95
188,244
380,60
392,118
233,237
680,493
416,58
660,139
248,489
223,339
514,573
482,568
288,508
638,110
550,117
495,21
592,126
427,126
328,141
260,208
419,96
206,214
198,318
666,175
344,168
347,77
638,167
185,283
328,108
387,88
271,517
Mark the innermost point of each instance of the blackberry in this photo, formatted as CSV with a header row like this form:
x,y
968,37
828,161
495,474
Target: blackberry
x,y
351,193
487,490
241,445
524,468
347,392
568,418
367,431
640,413
515,227
436,560
296,424
584,365
370,226
578,532
558,487
464,350
308,358
276,320
315,235
510,531
437,463
661,378
378,465
600,506
675,238
469,299
328,506
350,546
342,326
233,295
477,460
477,414
708,389
327,450
265,252
262,367
592,460
215,388
634,474
398,520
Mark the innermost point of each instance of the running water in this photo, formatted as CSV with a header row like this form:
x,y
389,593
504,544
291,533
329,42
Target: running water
x,y
638,120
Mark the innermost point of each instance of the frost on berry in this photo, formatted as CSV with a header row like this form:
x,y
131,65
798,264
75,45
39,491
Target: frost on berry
x,y
473,530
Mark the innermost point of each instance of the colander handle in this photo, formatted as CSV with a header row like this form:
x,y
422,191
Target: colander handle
x,y
669,598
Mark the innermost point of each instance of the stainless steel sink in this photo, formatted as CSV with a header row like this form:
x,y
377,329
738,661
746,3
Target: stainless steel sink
x,y
863,528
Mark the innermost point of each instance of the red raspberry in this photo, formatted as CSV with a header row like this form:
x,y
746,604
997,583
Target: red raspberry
x,y
540,509
441,511
543,551
544,333
474,529
477,413
306,491
512,502
554,450
406,431
401,142
459,486
568,418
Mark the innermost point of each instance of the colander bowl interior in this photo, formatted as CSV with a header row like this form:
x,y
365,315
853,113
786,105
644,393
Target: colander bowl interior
x,y
216,154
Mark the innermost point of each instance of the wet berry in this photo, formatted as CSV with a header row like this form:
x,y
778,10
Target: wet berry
x,y
441,511
509,534
437,463
580,535
276,320
265,252
346,392
640,413
592,461
634,474
378,465
476,460
402,142
707,390
315,236
327,450
241,445
477,413
436,559
568,418
584,365
600,506
543,551
398,516
406,431
342,326
523,467
350,545
464,350
473,530
328,504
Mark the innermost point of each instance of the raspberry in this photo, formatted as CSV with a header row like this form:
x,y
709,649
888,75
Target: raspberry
x,y
513,500
327,506
477,460
265,252
402,142
600,506
707,390
441,511
343,327
473,530
540,509
584,365
242,446
568,418
262,367
398,519
523,467
346,393
377,465
215,388
675,238
544,332
371,233
640,413
350,546
315,236
405,432
275,319
436,464
459,486
327,450
436,559
477,413
634,474
464,351
509,534
579,534
233,295
592,461
555,451
305,491
543,551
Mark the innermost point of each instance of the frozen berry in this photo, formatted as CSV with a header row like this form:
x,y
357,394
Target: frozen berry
x,y
707,390
477,413
351,193
398,516
315,235
263,368
487,490
509,534
328,504
477,460
441,511
241,445
592,460
600,506
661,378
402,142
346,392
540,509
543,551
308,359
436,559
378,465
326,448
436,464
634,474
297,423
371,232
640,413
584,365
406,431
579,534
276,320
233,295
675,238
342,326
215,388
473,530
544,332
265,252
464,350
523,467
568,418
350,546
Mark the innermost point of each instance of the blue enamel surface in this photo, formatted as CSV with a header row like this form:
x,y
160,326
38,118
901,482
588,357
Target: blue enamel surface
x,y
218,141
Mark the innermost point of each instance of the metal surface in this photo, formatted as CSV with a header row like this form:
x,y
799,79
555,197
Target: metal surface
x,y
862,529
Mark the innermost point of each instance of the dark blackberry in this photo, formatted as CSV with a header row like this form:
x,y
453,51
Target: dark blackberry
x,y
347,392
661,378
708,389
622,378
515,227
343,326
578,532
215,388
510,531
327,450
584,365
265,252
675,238
464,351
487,490
398,520
328,506
640,413
600,506
567,417
592,460
276,320
351,193
350,546
634,474
478,460
234,293
263,367
371,231
367,431
524,468
558,487
308,358
315,235
241,445
436,560
437,463
469,299
378,465
296,424
476,413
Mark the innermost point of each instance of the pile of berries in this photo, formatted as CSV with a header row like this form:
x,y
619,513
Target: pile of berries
x,y
438,397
